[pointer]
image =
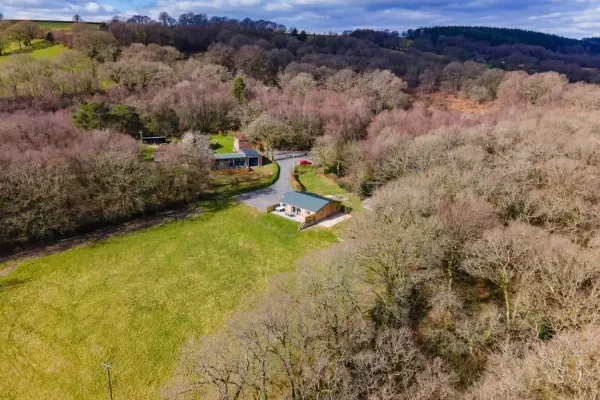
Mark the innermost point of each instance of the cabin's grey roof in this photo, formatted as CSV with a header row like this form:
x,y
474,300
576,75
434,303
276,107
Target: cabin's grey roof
x,y
251,153
228,156
305,200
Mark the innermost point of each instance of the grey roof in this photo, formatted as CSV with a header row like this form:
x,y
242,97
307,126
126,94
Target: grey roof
x,y
251,153
228,156
305,200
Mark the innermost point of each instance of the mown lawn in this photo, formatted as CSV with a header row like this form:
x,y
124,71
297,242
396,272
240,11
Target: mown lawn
x,y
133,300
221,143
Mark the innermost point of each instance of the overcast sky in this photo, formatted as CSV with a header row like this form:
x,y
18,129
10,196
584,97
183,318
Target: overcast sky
x,y
572,18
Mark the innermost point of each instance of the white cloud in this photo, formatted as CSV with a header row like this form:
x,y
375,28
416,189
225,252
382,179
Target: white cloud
x,y
575,18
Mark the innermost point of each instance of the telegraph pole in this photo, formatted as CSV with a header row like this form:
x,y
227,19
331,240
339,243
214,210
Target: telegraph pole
x,y
107,367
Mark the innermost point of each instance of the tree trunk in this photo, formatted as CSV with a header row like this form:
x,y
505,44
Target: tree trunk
x,y
506,304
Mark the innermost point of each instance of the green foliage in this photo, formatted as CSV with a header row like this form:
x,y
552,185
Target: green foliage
x,y
238,89
92,116
500,36
161,124
125,119
121,118
148,153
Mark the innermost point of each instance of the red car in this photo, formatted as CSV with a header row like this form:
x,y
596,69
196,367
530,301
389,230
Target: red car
x,y
305,162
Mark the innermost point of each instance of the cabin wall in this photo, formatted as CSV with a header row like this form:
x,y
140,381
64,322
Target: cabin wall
x,y
329,209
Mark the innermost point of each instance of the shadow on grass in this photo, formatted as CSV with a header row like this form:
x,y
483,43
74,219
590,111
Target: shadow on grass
x,y
30,49
216,146
11,283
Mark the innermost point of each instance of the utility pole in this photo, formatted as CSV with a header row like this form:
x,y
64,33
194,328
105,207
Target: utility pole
x,y
107,367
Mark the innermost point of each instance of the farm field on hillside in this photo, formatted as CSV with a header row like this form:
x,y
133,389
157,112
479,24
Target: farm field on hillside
x,y
133,300
54,25
39,52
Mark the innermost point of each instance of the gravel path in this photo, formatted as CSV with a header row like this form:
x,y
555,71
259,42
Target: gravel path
x,y
263,198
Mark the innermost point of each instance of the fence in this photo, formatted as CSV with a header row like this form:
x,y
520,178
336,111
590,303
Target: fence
x,y
270,209
308,221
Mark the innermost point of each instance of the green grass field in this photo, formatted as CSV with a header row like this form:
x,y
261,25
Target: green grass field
x,y
54,25
134,300
221,143
38,51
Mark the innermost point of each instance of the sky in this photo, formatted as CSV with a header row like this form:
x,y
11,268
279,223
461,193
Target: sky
x,y
571,18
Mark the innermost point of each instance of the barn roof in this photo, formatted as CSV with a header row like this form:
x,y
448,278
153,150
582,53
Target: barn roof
x,y
228,156
305,200
251,153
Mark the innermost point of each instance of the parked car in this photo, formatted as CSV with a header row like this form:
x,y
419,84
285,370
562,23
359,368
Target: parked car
x,y
305,162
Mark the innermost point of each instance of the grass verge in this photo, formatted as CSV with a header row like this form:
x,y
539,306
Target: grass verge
x,y
222,144
314,182
258,178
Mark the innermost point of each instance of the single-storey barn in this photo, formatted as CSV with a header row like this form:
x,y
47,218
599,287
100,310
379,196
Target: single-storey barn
x,y
243,159
309,207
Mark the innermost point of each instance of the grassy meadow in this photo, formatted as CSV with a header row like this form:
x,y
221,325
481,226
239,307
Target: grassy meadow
x,y
39,47
133,300
38,50
54,25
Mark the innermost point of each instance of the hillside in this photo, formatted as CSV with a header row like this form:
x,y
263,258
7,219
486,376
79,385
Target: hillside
x,y
500,36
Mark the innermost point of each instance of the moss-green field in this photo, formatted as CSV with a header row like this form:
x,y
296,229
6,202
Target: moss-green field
x,y
133,300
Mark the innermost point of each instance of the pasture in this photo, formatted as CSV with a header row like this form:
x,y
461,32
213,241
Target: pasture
x,y
39,50
54,25
133,300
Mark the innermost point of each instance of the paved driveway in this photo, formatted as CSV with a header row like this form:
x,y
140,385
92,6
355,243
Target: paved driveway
x,y
263,198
